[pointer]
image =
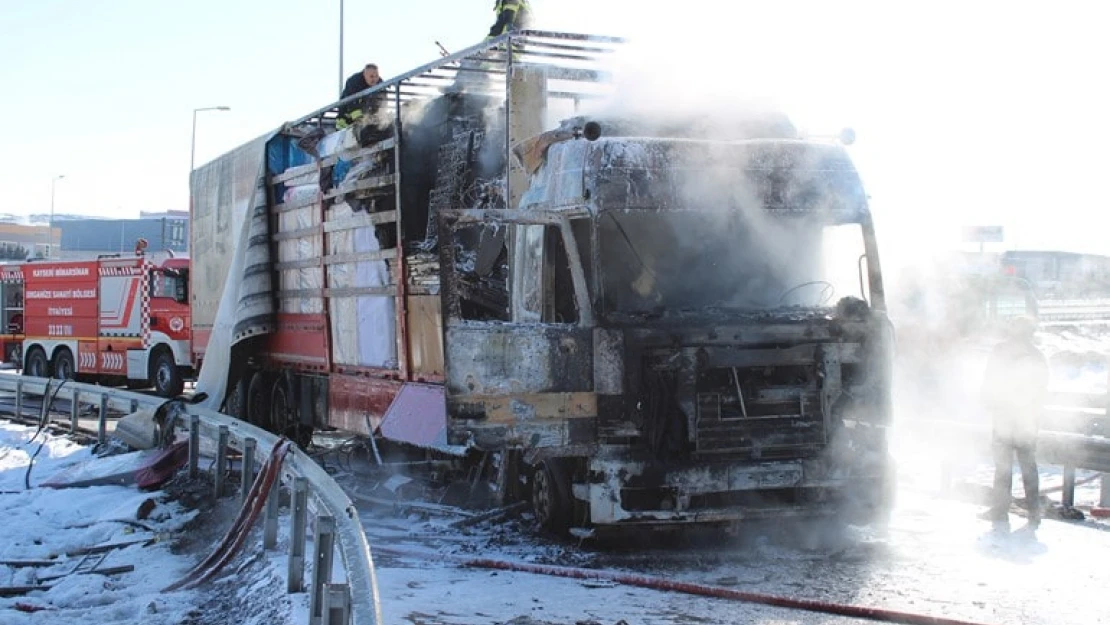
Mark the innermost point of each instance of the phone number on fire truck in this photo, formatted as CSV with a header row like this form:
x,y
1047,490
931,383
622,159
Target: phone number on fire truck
x,y
59,330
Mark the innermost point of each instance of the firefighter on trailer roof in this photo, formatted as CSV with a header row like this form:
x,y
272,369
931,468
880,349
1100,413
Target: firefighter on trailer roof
x,y
511,15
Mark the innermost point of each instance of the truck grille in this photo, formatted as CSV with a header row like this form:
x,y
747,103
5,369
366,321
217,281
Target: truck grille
x,y
759,412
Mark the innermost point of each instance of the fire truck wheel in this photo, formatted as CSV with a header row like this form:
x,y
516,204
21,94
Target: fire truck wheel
x,y
36,365
550,497
63,365
167,378
258,401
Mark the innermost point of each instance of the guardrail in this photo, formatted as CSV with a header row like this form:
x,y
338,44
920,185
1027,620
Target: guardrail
x,y
1073,311
337,525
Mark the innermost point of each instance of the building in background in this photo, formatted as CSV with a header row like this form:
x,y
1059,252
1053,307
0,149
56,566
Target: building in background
x,y
85,238
19,241
179,215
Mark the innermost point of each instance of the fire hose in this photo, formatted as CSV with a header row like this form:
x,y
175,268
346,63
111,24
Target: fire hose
x,y
692,588
237,533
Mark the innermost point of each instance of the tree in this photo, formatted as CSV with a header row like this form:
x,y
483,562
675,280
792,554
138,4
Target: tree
x,y
10,251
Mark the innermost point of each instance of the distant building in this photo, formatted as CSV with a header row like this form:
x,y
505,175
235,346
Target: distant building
x,y
88,237
164,214
35,241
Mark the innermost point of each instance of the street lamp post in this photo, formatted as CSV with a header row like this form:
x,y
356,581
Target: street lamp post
x,y
50,227
341,48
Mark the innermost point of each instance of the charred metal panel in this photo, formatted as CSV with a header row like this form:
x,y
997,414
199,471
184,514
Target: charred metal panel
x,y
505,359
523,407
354,399
608,361
546,436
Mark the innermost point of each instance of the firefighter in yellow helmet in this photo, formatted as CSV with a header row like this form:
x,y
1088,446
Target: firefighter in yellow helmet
x,y
511,15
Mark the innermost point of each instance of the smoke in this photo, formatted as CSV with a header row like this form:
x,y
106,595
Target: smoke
x,y
722,71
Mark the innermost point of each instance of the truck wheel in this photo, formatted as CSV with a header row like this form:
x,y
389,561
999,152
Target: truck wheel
x,y
550,498
235,404
284,417
165,374
37,365
258,401
63,365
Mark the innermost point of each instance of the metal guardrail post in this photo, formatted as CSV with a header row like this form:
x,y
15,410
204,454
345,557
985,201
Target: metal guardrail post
x,y
321,566
270,521
221,461
102,420
1104,491
297,535
246,468
337,604
1068,496
194,445
19,398
74,411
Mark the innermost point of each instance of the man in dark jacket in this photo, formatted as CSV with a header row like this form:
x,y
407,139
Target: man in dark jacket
x,y
511,15
1014,391
359,81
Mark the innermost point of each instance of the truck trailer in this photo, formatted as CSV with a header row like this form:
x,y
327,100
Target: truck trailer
x,y
646,321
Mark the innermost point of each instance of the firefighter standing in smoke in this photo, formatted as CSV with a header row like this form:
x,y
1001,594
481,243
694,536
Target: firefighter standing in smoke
x,y
1014,391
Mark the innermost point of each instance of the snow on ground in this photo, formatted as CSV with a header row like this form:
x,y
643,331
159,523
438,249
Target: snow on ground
x,y
44,523
934,557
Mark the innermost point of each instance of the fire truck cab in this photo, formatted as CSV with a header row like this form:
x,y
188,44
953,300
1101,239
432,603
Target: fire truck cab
x,y
113,320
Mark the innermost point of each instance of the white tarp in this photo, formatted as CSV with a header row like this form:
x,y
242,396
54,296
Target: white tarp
x,y
234,198
363,327
304,247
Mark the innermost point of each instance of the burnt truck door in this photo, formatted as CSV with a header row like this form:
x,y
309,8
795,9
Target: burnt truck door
x,y
518,349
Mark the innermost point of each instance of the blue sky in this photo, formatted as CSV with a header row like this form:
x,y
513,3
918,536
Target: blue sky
x,y
985,112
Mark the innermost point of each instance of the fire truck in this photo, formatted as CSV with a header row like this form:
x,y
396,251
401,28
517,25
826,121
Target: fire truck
x,y
119,320
638,321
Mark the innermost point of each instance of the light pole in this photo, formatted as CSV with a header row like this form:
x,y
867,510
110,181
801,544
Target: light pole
x,y
341,48
50,227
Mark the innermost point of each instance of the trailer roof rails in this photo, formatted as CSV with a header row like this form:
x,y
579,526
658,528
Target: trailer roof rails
x,y
574,62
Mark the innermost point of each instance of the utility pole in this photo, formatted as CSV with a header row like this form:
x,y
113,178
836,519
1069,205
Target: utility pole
x,y
50,227
341,47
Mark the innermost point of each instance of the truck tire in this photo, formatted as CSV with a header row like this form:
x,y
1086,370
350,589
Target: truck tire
x,y
36,365
235,404
285,418
258,401
165,374
63,367
551,497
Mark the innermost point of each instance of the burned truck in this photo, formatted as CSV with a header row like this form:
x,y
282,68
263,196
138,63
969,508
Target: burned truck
x,y
642,322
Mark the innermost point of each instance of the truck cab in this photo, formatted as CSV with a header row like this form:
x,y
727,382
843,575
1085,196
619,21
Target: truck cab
x,y
695,332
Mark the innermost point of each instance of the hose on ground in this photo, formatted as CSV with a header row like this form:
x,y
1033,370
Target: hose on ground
x,y
47,405
237,533
658,583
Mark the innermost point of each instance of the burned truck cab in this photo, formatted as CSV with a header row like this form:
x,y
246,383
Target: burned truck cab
x,y
693,330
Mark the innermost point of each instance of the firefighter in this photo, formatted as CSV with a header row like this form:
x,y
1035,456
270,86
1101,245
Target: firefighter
x,y
511,15
1014,391
359,81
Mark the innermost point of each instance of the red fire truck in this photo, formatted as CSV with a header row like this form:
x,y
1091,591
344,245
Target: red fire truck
x,y
113,320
